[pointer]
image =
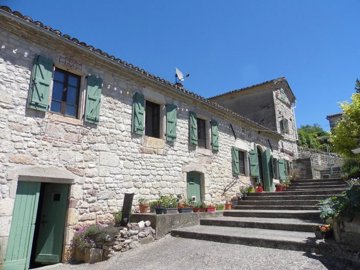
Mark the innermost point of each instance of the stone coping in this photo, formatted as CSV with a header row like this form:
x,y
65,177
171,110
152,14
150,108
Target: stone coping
x,y
165,223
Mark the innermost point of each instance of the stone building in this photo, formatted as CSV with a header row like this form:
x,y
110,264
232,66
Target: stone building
x,y
271,104
333,119
80,128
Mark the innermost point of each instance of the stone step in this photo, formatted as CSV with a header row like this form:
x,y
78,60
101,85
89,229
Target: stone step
x,y
289,197
311,187
286,224
278,202
295,193
310,215
277,207
281,239
320,179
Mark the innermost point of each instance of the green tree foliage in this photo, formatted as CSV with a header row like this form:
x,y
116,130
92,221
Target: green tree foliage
x,y
357,86
346,134
313,137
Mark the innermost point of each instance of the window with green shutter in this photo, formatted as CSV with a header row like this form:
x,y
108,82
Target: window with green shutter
x,y
138,123
40,83
93,98
193,129
171,119
214,135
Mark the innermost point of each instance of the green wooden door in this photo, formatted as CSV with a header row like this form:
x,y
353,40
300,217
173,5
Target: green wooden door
x,y
52,222
194,187
266,160
22,226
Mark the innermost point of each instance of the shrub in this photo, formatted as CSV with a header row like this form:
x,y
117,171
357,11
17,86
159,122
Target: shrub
x,y
117,217
344,205
351,168
94,236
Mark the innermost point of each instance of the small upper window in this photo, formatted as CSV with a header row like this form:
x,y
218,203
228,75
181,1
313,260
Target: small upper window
x,y
201,133
284,126
152,119
65,94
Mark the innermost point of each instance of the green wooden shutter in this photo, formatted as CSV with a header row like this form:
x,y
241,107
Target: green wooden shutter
x,y
22,226
93,98
193,128
282,174
214,135
171,118
40,83
138,121
235,161
254,163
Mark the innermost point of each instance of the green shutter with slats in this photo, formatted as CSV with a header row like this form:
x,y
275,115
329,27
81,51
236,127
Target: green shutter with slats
x,y
214,135
40,83
254,163
193,129
235,161
171,118
282,174
93,98
138,121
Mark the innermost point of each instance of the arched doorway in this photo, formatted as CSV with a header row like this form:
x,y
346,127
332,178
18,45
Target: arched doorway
x,y
195,187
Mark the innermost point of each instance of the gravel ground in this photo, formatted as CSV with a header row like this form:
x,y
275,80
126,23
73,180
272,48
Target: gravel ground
x,y
179,253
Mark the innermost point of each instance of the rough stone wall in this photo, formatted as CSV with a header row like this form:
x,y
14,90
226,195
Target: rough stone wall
x,y
282,110
318,161
106,160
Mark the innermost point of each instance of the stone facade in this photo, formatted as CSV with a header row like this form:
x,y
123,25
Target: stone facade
x,y
268,104
102,162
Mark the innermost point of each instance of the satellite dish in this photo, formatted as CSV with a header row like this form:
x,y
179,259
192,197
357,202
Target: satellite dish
x,y
179,76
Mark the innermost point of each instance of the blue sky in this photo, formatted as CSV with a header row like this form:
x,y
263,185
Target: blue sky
x,y
225,45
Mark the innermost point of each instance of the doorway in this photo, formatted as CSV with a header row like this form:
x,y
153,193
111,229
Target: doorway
x,y
194,187
38,224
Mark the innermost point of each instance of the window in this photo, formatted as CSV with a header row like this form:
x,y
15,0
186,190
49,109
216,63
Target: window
x,y
152,119
242,162
275,168
284,126
238,161
65,94
201,124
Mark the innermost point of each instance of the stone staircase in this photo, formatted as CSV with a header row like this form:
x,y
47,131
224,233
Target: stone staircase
x,y
284,220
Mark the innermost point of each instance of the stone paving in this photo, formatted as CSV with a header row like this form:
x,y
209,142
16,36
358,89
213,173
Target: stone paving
x,y
177,253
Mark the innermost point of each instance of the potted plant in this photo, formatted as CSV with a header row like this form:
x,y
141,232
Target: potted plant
x,y
324,231
250,189
278,187
228,205
210,208
200,207
220,206
185,206
169,202
143,205
259,188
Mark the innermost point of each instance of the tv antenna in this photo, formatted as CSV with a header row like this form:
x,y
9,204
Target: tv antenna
x,y
179,77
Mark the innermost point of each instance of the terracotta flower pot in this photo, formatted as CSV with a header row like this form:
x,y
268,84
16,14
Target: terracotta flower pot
x,y
144,208
228,206
210,209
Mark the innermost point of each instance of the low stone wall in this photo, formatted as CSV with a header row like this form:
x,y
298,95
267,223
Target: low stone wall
x,y
317,164
128,238
163,224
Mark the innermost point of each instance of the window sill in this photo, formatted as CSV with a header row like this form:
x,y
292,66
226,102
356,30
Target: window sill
x,y
154,143
204,151
64,119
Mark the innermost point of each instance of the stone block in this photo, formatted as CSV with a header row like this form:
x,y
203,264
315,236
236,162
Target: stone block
x,y
109,159
22,159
